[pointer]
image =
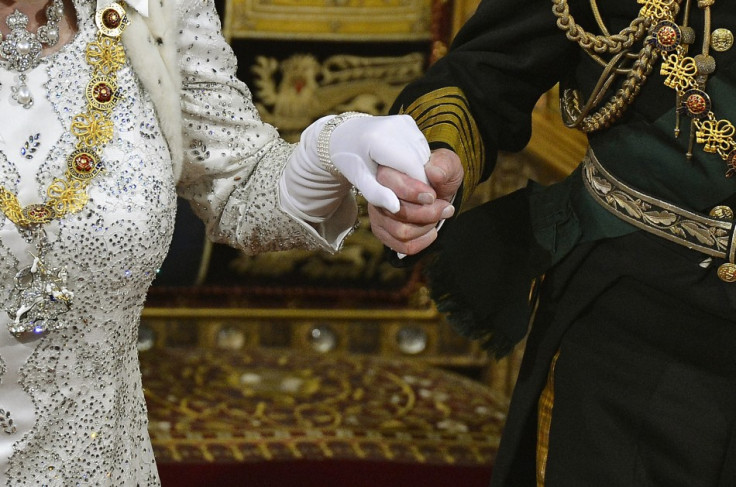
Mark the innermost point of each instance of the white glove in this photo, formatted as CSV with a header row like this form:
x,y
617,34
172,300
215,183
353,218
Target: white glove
x,y
356,145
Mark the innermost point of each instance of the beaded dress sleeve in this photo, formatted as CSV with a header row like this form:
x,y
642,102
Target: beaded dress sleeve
x,y
233,160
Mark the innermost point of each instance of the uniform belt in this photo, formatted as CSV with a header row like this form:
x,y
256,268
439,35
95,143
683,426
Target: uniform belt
x,y
711,234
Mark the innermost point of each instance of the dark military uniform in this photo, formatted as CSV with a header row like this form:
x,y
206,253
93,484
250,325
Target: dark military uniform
x,y
641,329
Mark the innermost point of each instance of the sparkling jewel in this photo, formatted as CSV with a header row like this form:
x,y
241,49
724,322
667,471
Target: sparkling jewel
x,y
695,103
22,94
83,163
38,213
112,19
23,46
22,49
667,36
39,295
102,92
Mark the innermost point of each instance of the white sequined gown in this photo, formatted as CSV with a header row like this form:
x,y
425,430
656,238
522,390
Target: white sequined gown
x,y
74,395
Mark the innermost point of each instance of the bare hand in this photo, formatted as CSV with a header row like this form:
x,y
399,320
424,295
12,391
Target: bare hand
x,y
413,227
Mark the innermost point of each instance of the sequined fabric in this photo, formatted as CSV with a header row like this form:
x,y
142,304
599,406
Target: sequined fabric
x,y
75,394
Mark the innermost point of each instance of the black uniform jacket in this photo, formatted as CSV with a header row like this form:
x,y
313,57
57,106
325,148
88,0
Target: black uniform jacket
x,y
478,100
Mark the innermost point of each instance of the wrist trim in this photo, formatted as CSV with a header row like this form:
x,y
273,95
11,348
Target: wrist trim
x,y
323,140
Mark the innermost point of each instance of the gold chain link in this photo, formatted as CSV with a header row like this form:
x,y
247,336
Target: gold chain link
x,y
93,128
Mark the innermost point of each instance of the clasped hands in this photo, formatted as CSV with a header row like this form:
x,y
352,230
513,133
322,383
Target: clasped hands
x,y
408,189
424,183
422,204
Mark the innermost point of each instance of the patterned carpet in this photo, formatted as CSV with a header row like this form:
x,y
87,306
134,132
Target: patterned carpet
x,y
228,411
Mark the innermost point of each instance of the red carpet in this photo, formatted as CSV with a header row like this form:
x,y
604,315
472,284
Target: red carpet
x,y
323,474
283,418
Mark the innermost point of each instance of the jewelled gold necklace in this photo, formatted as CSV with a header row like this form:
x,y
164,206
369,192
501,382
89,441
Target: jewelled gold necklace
x,y
22,49
40,295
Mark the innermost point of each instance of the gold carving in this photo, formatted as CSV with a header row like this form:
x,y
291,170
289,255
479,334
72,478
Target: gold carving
x,y
106,55
67,196
329,19
293,93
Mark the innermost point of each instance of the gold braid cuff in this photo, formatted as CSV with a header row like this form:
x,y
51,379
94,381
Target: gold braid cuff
x,y
443,116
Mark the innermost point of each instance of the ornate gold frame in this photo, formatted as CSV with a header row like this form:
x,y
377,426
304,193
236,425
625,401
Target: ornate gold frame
x,y
348,20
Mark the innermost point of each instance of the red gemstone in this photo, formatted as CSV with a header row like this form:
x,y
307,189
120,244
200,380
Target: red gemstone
x,y
731,161
102,92
39,212
84,163
667,36
696,104
111,18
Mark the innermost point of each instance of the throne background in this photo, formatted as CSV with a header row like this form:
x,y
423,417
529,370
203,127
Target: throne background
x,y
299,368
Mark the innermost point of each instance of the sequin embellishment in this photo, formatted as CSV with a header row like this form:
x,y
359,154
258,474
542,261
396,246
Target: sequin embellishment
x,y
40,294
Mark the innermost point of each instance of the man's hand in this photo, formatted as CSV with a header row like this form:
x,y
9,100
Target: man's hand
x,y
414,227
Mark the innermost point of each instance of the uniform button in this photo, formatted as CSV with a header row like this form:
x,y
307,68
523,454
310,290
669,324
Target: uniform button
x,y
721,40
722,212
727,272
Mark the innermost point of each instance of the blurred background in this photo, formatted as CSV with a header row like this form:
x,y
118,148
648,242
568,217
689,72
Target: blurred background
x,y
302,368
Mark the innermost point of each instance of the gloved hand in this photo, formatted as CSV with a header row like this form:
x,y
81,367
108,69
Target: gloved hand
x,y
355,146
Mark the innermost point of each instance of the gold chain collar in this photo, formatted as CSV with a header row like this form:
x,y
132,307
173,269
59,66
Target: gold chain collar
x,y
591,115
687,75
93,128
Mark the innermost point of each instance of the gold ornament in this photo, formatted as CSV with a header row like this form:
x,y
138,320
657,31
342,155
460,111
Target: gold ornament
x,y
717,135
657,9
40,294
679,72
92,128
106,55
67,196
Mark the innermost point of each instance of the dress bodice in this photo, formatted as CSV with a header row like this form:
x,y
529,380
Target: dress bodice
x,y
74,394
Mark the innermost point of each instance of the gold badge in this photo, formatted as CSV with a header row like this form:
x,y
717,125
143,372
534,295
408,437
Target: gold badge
x,y
721,40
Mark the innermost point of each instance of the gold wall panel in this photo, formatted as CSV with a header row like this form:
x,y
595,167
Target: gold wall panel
x,y
338,20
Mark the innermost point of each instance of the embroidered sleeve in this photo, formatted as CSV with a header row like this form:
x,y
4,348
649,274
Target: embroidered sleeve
x,y
232,160
444,118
